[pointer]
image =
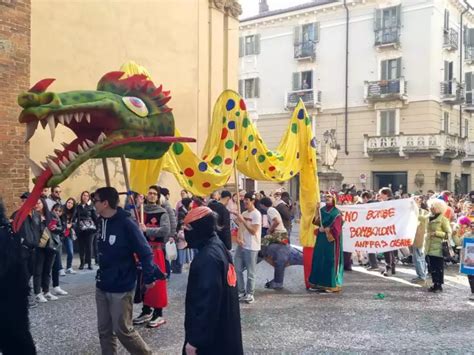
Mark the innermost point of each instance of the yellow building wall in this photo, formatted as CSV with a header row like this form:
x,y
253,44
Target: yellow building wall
x,y
189,46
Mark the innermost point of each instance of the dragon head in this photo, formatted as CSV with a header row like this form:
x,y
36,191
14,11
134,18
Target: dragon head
x,y
124,117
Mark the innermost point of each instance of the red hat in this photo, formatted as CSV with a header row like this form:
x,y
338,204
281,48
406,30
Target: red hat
x,y
197,213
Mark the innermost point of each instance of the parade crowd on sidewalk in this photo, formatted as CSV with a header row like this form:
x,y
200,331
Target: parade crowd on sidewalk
x,y
218,240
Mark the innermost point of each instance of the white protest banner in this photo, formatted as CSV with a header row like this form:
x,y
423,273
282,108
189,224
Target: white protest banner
x,y
379,227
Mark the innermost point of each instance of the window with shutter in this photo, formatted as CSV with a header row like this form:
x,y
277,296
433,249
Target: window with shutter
x,y
257,44
387,25
383,123
468,80
446,20
256,83
466,128
296,81
446,122
249,45
388,123
391,69
249,88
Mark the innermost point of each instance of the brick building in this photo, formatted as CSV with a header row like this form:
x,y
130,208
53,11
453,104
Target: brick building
x,y
14,77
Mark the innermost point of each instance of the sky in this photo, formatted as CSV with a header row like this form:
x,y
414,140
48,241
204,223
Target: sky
x,y
250,7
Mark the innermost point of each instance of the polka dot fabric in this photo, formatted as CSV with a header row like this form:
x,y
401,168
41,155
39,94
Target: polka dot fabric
x,y
235,141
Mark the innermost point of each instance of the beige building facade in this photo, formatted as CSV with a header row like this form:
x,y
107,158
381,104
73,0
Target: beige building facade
x,y
189,46
407,123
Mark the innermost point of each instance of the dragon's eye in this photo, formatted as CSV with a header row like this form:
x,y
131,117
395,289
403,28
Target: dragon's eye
x,y
136,105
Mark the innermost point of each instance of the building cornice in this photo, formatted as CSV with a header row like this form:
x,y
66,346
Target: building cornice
x,y
229,7
314,9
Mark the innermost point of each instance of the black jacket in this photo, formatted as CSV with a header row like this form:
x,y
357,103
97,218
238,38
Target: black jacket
x,y
223,222
84,212
212,318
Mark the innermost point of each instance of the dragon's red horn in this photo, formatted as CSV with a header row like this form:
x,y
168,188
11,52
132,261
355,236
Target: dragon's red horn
x,y
41,86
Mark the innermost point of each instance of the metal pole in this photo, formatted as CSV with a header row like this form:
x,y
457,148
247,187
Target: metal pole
x,y
125,172
106,172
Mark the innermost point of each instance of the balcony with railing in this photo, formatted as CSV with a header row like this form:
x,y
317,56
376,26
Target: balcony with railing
x,y
469,158
452,92
469,55
305,50
311,98
450,39
385,90
444,146
387,37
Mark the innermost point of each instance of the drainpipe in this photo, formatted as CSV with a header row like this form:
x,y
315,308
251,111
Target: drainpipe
x,y
461,30
346,114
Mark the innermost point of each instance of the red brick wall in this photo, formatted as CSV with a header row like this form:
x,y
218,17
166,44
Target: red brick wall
x,y
15,16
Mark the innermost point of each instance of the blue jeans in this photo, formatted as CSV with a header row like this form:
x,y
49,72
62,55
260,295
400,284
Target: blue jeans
x,y
69,244
245,259
420,263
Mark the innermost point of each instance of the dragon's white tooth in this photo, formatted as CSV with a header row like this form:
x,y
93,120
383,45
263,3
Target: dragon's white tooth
x,y
72,155
68,119
85,146
88,117
58,152
62,165
52,127
30,130
53,166
45,165
65,145
80,150
65,160
60,119
101,138
77,117
35,168
90,143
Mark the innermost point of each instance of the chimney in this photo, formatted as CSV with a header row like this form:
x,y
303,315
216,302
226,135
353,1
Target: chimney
x,y
262,6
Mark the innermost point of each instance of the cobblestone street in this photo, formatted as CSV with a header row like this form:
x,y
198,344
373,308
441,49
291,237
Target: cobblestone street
x,y
292,321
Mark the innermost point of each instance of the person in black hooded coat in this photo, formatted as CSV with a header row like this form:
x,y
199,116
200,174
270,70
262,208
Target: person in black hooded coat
x,y
212,314
15,336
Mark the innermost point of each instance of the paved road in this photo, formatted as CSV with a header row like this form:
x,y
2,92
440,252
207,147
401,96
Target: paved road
x,y
292,321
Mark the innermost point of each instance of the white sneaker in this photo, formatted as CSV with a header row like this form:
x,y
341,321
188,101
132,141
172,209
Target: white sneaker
x,y
59,291
50,296
70,271
249,299
241,296
40,298
62,272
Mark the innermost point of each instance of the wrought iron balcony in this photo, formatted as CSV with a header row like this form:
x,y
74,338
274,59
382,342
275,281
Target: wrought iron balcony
x,y
389,36
450,39
469,55
452,92
385,90
445,146
305,50
310,97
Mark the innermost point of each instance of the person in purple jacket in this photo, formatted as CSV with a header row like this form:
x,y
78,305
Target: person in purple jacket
x,y
119,239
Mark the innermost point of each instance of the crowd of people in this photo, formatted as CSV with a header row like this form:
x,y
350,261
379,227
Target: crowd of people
x,y
444,220
226,235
